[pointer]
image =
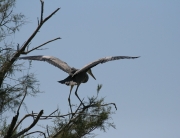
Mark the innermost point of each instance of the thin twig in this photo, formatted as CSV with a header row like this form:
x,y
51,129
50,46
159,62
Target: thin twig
x,y
51,114
46,117
22,100
41,45
38,21
5,49
37,29
42,10
77,109
33,116
50,15
47,130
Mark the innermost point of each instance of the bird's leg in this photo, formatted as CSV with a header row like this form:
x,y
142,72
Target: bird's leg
x,y
78,96
69,97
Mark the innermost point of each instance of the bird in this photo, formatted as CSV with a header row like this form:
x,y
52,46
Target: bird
x,y
76,76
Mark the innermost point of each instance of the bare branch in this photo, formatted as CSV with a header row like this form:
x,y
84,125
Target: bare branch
x,y
40,45
21,121
22,100
42,10
37,29
33,116
95,105
47,130
38,21
46,117
5,49
50,15
51,113
31,126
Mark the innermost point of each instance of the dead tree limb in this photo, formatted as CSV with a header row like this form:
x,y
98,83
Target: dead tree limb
x,y
40,45
31,126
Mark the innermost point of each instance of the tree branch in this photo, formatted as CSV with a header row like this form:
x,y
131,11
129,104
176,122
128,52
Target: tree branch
x,y
51,114
15,118
40,45
4,49
37,29
42,10
7,65
47,130
46,117
21,121
22,100
47,18
31,126
13,123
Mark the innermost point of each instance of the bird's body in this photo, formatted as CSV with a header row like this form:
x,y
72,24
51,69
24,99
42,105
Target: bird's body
x,y
75,80
76,76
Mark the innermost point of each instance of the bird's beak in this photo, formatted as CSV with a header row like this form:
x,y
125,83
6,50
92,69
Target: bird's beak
x,y
90,73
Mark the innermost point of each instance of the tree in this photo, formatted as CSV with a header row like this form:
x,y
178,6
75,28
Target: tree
x,y
9,24
80,123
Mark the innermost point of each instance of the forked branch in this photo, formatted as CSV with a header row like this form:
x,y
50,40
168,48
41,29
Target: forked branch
x,y
40,46
31,126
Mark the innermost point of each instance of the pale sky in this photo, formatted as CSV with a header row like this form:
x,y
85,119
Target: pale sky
x,y
145,90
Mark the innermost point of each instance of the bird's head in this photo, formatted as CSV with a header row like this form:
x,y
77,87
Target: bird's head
x,y
90,73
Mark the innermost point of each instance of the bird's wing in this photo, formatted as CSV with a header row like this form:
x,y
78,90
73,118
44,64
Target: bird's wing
x,y
52,60
102,60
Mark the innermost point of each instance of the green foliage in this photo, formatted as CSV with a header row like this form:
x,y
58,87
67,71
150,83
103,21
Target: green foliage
x,y
11,87
10,95
4,128
9,22
95,115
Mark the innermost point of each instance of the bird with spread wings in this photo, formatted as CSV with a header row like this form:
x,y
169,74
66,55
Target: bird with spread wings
x,y
76,76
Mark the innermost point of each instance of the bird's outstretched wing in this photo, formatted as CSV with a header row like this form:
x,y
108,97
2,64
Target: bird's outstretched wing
x,y
52,60
102,60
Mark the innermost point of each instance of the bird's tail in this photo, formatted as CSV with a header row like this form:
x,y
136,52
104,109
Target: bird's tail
x,y
61,81
68,81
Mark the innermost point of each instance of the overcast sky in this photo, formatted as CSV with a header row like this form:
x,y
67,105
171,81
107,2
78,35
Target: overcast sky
x,y
145,90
